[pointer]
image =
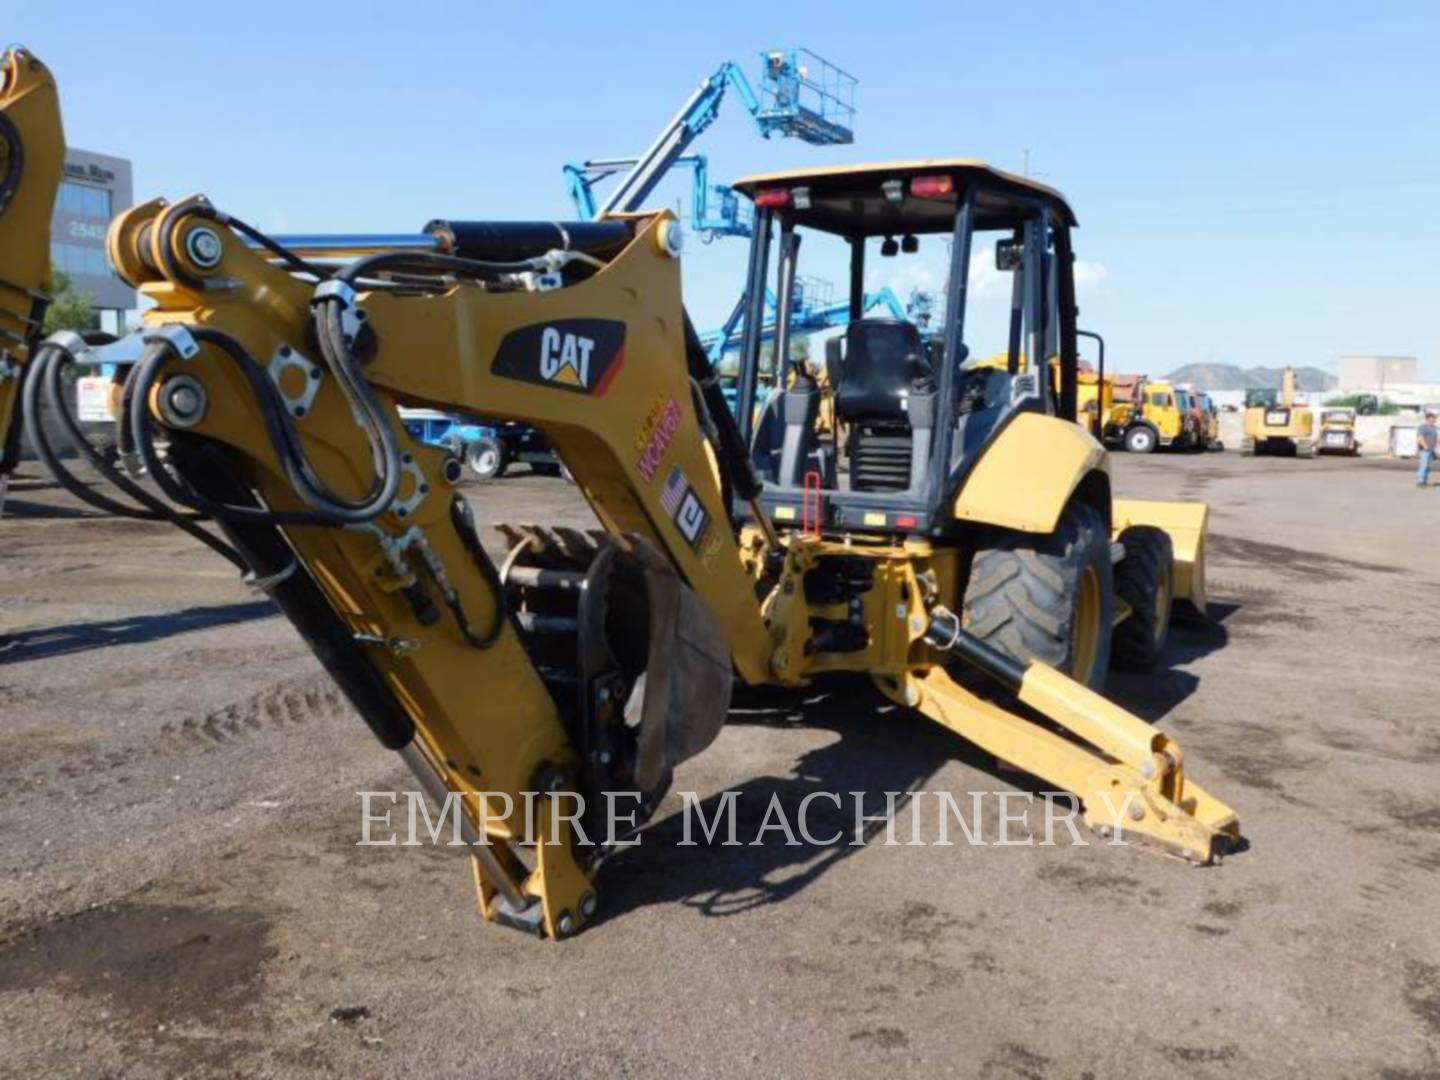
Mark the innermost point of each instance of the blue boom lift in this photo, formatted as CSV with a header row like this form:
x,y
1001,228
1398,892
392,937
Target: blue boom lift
x,y
801,96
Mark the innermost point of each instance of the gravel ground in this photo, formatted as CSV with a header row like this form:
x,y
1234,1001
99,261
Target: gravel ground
x,y
181,891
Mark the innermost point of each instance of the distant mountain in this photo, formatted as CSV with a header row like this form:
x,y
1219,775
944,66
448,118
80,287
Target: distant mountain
x,y
1230,377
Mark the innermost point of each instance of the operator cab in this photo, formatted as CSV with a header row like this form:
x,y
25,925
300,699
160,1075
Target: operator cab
x,y
881,435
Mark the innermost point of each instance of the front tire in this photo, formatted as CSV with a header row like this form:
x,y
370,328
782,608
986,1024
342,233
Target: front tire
x,y
1141,440
1047,598
1145,580
486,458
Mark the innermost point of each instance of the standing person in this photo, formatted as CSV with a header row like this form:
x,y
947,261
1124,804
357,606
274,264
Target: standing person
x,y
1427,438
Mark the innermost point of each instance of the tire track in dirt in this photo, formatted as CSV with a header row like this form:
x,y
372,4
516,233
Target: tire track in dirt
x,y
288,704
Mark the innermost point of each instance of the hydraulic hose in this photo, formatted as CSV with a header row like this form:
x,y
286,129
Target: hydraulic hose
x,y
286,440
58,358
45,375
428,260
325,509
143,440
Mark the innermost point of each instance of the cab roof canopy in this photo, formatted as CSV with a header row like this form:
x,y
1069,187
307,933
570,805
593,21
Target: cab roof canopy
x,y
851,200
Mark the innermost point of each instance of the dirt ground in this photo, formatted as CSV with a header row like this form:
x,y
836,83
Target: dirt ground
x,y
181,891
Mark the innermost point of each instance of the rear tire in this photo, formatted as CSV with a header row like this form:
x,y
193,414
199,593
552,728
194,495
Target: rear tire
x,y
486,458
1145,580
1141,439
1047,598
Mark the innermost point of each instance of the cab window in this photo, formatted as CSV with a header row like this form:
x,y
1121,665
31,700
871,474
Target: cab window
x,y
1161,401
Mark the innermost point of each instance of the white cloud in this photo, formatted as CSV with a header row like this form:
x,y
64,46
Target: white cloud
x,y
985,282
907,275
1089,276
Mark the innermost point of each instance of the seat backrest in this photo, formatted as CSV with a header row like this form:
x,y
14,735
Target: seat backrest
x,y
883,359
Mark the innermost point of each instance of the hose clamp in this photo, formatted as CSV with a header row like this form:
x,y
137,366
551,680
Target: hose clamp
x,y
178,337
350,318
70,341
335,289
129,349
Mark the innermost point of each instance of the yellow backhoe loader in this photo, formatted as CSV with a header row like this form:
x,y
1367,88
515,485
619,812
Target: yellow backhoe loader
x,y
1276,422
32,155
960,545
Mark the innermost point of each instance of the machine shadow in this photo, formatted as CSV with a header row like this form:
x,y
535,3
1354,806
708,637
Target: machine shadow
x,y
24,508
880,748
1150,695
50,641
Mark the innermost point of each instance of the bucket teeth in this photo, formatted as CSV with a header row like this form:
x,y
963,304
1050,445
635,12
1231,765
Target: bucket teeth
x,y
551,544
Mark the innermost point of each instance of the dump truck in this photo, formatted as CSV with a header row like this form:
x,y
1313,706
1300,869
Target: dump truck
x,y
1210,414
953,536
1277,422
1202,418
32,156
1156,416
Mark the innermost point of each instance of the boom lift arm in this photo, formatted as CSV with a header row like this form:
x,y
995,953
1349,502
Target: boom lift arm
x,y
586,664
816,106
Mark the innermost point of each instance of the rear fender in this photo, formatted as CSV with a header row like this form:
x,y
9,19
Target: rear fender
x,y
1024,478
1185,524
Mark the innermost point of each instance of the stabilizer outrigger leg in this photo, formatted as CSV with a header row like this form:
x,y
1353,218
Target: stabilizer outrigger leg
x,y
1129,777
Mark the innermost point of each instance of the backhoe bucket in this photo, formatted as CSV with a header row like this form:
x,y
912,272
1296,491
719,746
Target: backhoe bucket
x,y
1184,522
620,616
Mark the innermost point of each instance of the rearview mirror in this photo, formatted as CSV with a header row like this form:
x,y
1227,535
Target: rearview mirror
x,y
1007,255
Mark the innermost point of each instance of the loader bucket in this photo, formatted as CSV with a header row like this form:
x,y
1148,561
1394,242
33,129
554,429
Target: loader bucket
x,y
1185,524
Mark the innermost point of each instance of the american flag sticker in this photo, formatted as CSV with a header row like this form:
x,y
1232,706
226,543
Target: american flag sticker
x,y
673,491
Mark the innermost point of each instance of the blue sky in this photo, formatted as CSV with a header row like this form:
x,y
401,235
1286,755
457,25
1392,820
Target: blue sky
x,y
1256,183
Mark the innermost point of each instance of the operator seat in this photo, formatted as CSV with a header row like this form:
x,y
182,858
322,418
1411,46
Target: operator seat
x,y
885,391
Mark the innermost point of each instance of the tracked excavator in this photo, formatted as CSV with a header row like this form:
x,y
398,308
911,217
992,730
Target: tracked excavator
x,y
32,155
1276,421
961,547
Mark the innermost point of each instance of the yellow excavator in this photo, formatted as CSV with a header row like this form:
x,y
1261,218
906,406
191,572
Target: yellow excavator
x,y
1275,421
960,545
32,156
